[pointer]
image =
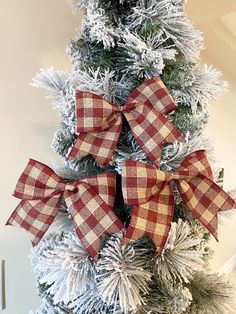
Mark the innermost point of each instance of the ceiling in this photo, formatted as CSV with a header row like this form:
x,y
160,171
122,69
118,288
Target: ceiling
x,y
217,20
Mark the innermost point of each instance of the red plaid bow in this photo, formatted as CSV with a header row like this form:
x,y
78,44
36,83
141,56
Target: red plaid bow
x,y
151,191
99,122
89,200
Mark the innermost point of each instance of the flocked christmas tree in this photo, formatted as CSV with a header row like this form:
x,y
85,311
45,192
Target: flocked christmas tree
x,y
123,44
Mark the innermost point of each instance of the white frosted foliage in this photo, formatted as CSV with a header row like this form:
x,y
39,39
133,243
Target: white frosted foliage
x,y
180,299
180,257
102,83
173,22
98,25
61,262
58,84
174,154
78,4
146,55
59,87
204,89
122,275
46,308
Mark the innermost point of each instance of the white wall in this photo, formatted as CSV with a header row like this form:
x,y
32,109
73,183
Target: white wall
x,y
33,34
222,130
217,22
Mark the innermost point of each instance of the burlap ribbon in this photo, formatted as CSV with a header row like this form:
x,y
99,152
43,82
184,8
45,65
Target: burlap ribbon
x,y
99,122
90,202
151,191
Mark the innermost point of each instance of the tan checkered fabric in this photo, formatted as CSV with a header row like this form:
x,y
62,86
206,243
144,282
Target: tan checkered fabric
x,y
151,192
99,122
90,202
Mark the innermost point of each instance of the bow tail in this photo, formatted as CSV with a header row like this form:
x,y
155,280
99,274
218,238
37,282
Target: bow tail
x,y
92,218
100,145
153,218
35,216
205,199
154,93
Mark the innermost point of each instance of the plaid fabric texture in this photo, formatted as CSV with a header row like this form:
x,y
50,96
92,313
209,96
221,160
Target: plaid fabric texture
x,y
99,122
151,192
90,202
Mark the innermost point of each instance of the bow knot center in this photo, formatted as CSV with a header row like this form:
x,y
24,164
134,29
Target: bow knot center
x,y
126,107
70,187
170,176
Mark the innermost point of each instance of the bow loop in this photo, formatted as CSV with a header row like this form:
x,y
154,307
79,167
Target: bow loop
x,y
197,163
153,93
89,201
141,181
94,113
99,123
37,182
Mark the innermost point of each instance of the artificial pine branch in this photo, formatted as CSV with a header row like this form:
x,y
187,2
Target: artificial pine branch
x,y
121,43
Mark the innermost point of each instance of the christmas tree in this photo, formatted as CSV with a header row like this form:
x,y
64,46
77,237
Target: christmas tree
x,y
130,233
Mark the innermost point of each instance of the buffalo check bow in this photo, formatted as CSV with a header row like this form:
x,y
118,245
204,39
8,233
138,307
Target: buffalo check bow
x,y
151,191
90,202
99,122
